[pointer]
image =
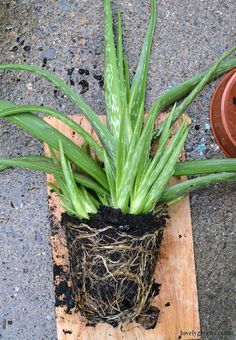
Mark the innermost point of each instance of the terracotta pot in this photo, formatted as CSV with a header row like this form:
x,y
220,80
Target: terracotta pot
x,y
223,114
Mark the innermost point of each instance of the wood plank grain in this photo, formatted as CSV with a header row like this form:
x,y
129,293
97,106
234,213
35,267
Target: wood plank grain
x,y
175,271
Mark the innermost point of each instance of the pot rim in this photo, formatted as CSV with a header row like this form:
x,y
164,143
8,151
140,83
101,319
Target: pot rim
x,y
224,107
218,129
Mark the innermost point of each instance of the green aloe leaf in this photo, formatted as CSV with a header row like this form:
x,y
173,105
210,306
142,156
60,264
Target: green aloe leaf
x,y
5,164
194,93
54,113
38,163
125,131
136,160
152,163
76,197
111,179
158,188
101,130
127,80
111,74
123,66
47,134
46,165
208,166
182,189
120,56
82,179
62,190
180,91
150,186
137,95
64,200
189,99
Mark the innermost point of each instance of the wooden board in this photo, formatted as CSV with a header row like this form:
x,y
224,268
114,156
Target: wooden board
x,y
175,271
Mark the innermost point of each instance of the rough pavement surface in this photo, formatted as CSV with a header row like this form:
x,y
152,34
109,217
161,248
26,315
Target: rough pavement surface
x,y
67,35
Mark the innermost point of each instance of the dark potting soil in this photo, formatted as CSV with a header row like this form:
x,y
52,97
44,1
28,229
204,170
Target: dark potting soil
x,y
64,296
63,292
110,276
135,225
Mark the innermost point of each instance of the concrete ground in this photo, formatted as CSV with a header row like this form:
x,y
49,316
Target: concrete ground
x,y
67,34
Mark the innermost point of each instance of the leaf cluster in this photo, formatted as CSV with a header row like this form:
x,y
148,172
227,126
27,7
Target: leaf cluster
x,y
124,173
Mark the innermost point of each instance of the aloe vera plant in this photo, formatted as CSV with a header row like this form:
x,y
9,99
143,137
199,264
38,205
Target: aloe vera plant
x,y
126,177
125,174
